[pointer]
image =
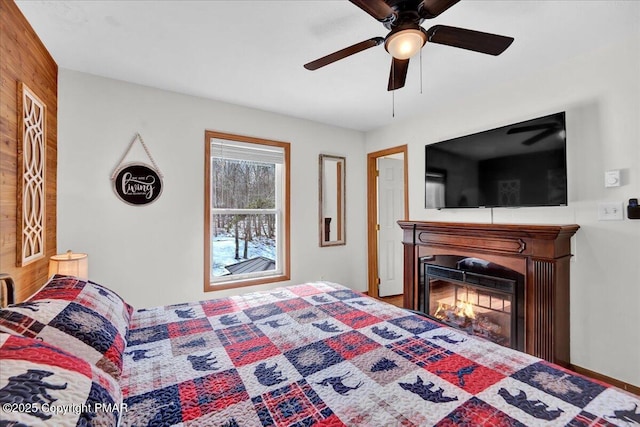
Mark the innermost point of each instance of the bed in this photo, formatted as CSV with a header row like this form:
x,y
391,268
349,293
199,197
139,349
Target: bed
x,y
318,353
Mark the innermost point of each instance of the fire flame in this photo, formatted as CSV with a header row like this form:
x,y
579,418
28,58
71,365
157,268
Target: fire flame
x,y
465,309
462,309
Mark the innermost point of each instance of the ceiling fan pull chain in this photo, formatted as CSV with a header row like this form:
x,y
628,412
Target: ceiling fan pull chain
x,y
393,92
420,71
393,103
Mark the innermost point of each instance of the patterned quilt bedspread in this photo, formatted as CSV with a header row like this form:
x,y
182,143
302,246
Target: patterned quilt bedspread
x,y
322,354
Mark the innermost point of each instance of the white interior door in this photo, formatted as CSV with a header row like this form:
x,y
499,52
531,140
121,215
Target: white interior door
x,y
390,210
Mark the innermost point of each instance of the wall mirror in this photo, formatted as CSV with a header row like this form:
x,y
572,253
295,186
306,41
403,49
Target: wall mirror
x,y
332,200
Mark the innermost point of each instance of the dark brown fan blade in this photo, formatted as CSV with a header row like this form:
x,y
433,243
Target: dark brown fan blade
x,y
531,128
540,136
398,73
376,8
477,41
432,8
343,53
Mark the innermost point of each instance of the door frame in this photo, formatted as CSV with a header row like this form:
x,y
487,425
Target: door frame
x,y
372,210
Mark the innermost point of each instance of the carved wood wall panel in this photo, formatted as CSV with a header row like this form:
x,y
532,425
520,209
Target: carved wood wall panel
x,y
31,179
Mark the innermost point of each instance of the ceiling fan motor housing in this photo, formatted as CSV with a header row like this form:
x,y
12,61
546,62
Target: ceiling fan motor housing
x,y
406,36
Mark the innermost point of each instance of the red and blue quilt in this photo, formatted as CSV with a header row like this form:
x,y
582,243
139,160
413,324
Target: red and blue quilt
x,y
322,354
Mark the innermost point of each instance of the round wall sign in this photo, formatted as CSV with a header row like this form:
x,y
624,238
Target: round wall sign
x,y
137,184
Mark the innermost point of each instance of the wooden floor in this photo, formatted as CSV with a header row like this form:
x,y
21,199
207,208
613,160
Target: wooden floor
x,y
393,300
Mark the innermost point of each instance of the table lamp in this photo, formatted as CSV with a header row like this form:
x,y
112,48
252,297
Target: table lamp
x,y
70,264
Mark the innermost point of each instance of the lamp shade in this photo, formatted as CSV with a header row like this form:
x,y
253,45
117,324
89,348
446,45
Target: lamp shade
x,y
403,44
70,264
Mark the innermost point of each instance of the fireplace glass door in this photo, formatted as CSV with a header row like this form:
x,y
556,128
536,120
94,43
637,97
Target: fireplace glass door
x,y
480,304
477,311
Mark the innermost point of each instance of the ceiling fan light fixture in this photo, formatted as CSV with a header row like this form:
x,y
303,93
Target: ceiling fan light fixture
x,y
405,43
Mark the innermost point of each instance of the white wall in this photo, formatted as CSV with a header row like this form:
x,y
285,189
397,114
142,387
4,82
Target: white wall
x,y
154,255
601,95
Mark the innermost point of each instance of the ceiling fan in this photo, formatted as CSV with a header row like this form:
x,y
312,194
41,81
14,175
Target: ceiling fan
x,y
406,37
547,129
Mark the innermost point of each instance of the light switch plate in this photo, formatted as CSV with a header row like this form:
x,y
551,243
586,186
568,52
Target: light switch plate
x,y
612,178
610,211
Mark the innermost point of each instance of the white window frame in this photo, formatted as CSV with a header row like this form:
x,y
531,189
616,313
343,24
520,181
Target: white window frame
x,y
282,209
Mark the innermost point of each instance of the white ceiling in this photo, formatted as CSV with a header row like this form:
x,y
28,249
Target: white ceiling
x,y
251,52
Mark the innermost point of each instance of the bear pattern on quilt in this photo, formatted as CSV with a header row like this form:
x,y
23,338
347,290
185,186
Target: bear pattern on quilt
x,y
323,354
87,319
44,385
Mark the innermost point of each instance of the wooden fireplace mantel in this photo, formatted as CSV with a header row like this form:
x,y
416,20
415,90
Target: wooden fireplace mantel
x,y
540,252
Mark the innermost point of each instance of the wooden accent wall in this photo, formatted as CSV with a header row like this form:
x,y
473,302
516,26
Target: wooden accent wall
x,y
24,59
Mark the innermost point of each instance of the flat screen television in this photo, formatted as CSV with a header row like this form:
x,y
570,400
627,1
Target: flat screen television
x,y
522,164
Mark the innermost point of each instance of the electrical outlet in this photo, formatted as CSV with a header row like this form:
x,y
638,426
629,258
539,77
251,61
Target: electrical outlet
x,y
610,211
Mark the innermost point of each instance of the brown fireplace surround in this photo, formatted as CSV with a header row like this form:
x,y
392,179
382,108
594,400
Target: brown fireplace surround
x,y
540,252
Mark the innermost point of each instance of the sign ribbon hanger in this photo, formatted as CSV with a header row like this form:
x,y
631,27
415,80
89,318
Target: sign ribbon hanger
x,y
137,137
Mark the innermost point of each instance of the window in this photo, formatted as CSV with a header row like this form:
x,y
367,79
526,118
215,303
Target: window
x,y
246,211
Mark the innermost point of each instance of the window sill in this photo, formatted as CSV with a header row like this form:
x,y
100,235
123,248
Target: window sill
x,y
219,286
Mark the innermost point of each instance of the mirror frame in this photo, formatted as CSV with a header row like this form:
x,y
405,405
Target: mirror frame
x,y
340,201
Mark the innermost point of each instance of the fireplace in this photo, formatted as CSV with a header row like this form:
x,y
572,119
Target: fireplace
x,y
539,253
474,295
